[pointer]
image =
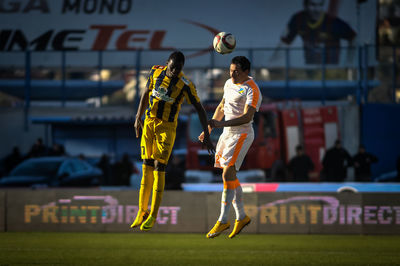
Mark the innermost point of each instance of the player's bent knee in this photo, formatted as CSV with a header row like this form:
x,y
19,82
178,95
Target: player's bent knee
x,y
149,162
229,174
159,166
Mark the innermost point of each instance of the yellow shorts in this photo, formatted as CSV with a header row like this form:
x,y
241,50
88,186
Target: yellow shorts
x,y
158,139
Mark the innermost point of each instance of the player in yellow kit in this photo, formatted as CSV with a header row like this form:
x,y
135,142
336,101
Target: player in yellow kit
x,y
166,89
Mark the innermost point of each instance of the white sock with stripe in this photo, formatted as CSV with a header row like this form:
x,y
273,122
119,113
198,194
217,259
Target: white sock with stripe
x,y
226,200
238,203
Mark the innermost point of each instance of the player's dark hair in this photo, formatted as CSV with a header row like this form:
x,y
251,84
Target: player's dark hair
x,y
241,61
177,56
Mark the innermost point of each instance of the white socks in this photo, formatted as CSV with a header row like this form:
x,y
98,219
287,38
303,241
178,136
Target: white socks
x,y
226,200
232,194
238,203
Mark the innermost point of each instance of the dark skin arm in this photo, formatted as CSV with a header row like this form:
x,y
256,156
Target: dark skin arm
x,y
203,120
144,101
218,115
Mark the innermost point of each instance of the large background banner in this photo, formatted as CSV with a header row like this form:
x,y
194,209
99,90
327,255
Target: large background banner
x,y
91,25
196,212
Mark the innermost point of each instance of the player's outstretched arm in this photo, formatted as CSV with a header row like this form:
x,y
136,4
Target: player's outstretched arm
x,y
245,118
203,120
218,115
144,99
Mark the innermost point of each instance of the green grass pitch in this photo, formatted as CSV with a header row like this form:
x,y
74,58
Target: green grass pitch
x,y
133,248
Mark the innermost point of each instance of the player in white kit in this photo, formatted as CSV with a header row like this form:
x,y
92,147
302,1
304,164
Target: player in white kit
x,y
242,98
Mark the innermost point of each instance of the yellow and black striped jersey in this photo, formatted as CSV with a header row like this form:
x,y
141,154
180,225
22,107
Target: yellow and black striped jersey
x,y
166,94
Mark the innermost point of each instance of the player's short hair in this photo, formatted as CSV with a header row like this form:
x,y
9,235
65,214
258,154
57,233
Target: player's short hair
x,y
177,56
241,61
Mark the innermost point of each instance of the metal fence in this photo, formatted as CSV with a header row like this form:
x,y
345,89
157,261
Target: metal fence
x,y
282,73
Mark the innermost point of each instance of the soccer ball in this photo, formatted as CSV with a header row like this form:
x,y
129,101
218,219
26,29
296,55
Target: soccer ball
x,y
224,43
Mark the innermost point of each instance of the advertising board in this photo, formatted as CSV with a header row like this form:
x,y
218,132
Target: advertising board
x,y
76,26
194,212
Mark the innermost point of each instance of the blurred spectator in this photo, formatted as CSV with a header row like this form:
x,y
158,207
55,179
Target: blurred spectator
x,y
335,163
123,170
386,39
105,166
82,156
57,150
175,173
362,164
385,32
12,160
38,149
300,165
278,171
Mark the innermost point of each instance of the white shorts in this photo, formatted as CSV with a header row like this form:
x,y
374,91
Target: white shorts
x,y
232,147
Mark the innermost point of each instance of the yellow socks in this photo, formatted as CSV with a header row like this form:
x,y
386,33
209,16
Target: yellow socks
x,y
151,179
158,189
144,195
145,187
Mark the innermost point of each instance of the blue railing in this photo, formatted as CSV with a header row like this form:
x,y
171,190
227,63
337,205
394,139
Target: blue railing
x,y
286,86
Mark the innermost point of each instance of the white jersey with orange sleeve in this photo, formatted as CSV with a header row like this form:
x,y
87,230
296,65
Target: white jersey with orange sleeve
x,y
238,95
235,141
